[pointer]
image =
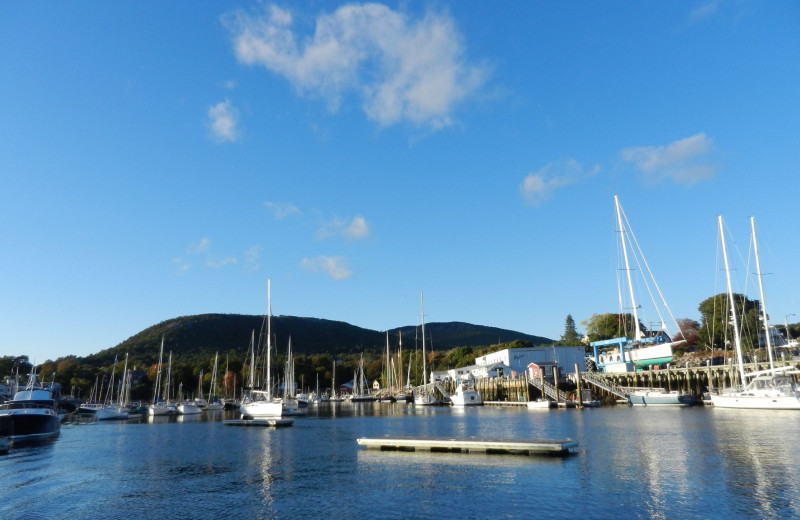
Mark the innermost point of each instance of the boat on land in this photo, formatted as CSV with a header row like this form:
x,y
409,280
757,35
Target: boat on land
x,y
31,415
647,348
658,397
259,404
771,389
466,394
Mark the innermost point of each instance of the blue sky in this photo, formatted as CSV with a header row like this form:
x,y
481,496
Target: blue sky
x,y
163,159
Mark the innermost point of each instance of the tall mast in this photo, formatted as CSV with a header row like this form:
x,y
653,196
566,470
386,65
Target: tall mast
x,y
269,341
737,340
761,293
623,239
424,360
400,362
252,359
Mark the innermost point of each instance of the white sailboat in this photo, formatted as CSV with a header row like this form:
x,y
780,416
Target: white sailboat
x,y
360,390
771,389
213,399
290,403
334,398
424,395
110,409
646,348
160,406
186,407
259,404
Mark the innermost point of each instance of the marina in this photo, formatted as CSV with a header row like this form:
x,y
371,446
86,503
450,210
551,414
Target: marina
x,y
646,462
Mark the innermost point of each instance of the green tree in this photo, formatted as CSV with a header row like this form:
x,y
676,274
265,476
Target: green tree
x,y
716,329
570,336
609,325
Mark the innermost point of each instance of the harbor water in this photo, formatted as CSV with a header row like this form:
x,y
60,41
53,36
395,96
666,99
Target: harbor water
x,y
695,462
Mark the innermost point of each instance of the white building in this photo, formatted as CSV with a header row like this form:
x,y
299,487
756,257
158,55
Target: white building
x,y
514,362
518,359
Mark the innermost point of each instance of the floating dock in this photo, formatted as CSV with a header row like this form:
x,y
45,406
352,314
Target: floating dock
x,y
274,423
488,446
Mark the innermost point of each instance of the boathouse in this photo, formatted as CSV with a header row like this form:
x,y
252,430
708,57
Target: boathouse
x,y
518,359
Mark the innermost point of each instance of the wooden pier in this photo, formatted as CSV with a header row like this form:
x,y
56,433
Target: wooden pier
x,y
274,423
485,446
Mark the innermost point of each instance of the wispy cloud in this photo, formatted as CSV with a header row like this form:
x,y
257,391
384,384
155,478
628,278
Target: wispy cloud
x,y
335,267
683,161
181,267
356,228
402,69
200,247
223,121
540,185
251,257
216,264
281,209
704,10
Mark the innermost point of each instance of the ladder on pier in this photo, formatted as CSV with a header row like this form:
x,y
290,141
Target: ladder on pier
x,y
548,390
600,382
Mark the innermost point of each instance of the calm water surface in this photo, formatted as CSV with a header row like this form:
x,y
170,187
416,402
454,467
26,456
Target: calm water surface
x,y
631,463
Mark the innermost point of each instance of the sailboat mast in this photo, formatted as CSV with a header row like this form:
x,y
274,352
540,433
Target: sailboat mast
x,y
737,340
623,239
123,394
252,359
761,293
269,340
400,361
424,357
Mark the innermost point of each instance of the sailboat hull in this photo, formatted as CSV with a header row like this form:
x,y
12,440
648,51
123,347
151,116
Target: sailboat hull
x,y
755,402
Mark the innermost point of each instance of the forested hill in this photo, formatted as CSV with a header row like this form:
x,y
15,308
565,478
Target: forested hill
x,y
199,337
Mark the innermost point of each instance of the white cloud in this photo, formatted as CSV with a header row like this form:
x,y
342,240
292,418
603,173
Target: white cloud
x,y
354,229
402,69
216,264
680,161
540,185
181,267
704,10
223,121
282,210
335,267
200,247
251,257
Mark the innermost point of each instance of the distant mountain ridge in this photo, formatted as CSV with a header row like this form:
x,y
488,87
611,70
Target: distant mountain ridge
x,y
200,336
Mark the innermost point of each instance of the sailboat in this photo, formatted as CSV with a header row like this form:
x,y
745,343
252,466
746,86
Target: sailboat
x,y
646,348
213,399
360,390
424,395
159,405
334,398
290,403
388,377
400,396
111,408
771,389
187,407
259,404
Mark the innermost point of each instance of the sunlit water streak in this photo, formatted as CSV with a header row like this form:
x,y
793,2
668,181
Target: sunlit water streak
x,y
631,463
